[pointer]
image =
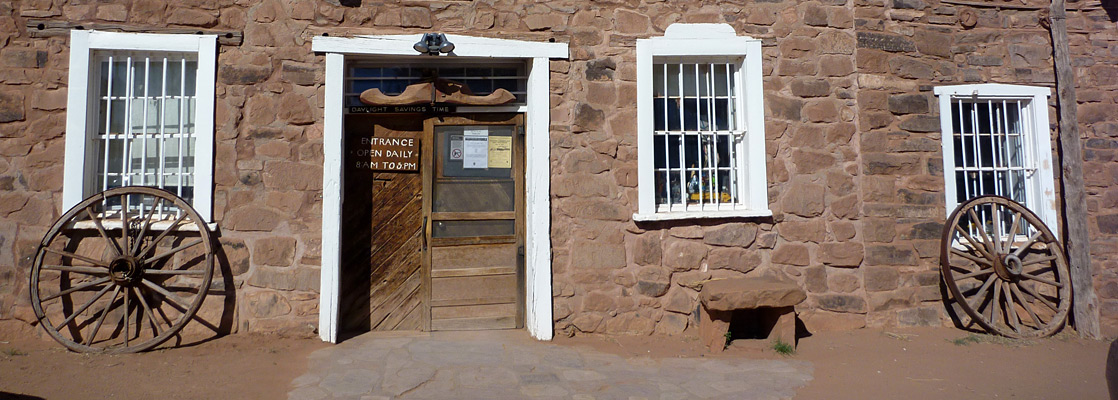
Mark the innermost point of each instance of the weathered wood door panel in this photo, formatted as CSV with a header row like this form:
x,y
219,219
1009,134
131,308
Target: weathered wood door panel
x,y
382,246
474,263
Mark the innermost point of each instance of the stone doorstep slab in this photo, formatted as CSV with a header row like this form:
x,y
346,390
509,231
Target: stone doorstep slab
x,y
721,297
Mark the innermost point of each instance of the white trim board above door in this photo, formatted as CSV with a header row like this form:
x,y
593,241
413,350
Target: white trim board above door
x,y
537,169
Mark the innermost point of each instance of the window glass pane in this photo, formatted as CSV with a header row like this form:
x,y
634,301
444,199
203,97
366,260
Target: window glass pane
x,y
191,78
119,76
473,196
672,72
481,79
139,77
495,227
722,156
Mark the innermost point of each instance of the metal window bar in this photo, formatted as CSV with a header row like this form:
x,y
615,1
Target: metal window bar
x,y
699,171
145,126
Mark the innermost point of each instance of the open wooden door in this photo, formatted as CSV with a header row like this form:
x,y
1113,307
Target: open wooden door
x,y
382,256
474,222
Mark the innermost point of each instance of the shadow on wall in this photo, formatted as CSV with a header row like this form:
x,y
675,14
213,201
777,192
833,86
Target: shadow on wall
x,y
1111,7
212,321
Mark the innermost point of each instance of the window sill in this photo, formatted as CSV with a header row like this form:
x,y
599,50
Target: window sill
x,y
157,226
669,216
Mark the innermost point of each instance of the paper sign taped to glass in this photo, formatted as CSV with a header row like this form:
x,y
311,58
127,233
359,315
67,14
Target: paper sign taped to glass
x,y
500,152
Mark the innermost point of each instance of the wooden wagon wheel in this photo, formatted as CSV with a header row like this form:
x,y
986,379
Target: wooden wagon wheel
x,y
1005,268
122,271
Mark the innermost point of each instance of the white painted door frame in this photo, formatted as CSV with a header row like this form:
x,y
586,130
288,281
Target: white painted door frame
x,y
537,160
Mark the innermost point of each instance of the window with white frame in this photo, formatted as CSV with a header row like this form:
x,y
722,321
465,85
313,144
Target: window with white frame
x,y
996,141
701,139
140,113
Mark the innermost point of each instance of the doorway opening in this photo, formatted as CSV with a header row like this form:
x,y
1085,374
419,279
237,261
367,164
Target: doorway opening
x,y
439,246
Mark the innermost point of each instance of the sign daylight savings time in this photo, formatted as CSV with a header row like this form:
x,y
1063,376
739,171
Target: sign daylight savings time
x,y
387,154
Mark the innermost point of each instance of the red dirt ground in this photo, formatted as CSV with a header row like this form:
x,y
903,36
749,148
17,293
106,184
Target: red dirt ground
x,y
864,364
912,364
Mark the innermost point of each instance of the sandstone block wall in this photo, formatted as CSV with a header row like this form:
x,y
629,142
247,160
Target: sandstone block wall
x,y
853,146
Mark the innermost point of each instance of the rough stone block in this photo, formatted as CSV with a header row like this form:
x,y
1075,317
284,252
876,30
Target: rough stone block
x,y
243,74
811,230
890,255
791,254
597,255
251,219
683,255
825,321
844,303
11,107
908,104
274,251
731,234
887,42
653,281
734,259
845,254
920,316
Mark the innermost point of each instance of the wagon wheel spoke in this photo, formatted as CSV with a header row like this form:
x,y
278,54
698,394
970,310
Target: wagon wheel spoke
x,y
171,252
175,300
1025,304
101,230
147,311
75,256
124,317
154,242
124,227
1042,280
974,274
975,259
70,284
1010,309
982,233
979,247
1012,231
79,270
146,226
173,272
1045,259
981,294
995,309
1028,244
101,319
77,288
1039,297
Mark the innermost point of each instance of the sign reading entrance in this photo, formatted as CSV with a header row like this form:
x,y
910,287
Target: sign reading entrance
x,y
387,154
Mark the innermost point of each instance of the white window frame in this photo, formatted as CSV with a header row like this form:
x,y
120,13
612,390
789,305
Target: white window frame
x,y
1040,189
705,41
80,123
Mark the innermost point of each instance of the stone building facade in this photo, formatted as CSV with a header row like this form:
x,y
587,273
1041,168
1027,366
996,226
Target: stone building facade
x,y
852,148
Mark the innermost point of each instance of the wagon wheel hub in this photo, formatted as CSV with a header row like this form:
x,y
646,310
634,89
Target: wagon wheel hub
x,y
1013,266
126,270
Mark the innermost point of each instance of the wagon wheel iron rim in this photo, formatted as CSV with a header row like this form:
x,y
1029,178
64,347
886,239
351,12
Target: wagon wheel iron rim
x,y
1005,269
122,271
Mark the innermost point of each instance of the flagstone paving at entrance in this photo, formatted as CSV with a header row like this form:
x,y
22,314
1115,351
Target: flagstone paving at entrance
x,y
511,365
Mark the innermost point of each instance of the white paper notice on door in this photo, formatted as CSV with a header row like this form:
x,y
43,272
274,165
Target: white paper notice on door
x,y
475,148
